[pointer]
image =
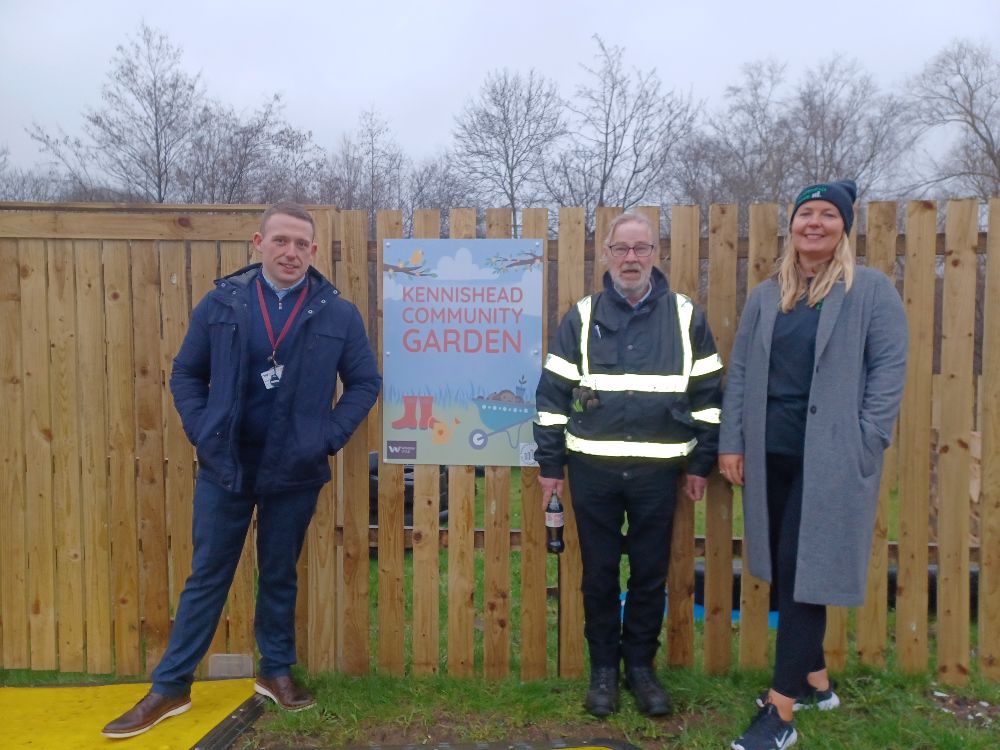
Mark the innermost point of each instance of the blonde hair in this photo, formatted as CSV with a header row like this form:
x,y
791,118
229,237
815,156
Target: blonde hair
x,y
792,282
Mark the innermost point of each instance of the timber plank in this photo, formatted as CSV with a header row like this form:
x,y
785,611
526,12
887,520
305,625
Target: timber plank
x,y
685,231
534,610
15,652
127,225
915,437
426,494
354,253
954,460
67,516
571,246
391,615
94,497
872,620
462,508
989,501
178,453
722,267
149,404
121,450
496,582
38,438
755,593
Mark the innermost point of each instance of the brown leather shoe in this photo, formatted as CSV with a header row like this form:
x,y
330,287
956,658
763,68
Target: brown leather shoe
x,y
146,714
283,691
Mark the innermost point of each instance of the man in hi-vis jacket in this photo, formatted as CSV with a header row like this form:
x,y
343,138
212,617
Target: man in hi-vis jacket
x,y
628,403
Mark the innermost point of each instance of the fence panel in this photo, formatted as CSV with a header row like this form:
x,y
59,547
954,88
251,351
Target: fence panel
x,y
93,458
915,437
13,542
957,326
121,457
534,609
426,499
152,512
570,286
685,232
462,524
872,618
989,562
755,593
94,305
722,268
391,613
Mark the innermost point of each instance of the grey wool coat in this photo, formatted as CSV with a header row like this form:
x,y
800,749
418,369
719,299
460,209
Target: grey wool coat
x,y
857,385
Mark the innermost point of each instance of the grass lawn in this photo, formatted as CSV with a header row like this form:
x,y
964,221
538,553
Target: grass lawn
x,y
882,709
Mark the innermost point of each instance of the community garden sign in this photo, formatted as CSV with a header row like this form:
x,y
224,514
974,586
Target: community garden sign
x,y
463,340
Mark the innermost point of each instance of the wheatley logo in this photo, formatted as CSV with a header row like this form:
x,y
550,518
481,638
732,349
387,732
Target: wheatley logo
x,y
401,449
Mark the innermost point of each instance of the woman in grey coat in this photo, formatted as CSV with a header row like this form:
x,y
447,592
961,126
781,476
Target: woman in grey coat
x,y
813,388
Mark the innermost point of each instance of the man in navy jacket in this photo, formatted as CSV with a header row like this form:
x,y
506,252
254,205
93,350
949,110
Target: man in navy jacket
x,y
253,383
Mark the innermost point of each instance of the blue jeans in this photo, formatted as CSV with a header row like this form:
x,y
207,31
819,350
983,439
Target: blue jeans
x,y
221,520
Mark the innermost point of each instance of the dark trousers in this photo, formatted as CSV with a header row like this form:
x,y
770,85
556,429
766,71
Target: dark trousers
x,y
605,494
221,520
801,626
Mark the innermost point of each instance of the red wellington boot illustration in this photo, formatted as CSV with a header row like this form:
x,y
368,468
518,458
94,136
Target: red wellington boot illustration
x,y
426,412
409,419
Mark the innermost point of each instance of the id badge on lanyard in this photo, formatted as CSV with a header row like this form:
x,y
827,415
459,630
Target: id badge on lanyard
x,y
272,375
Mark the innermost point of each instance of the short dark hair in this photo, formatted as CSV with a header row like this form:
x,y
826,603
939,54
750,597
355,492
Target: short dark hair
x,y
287,208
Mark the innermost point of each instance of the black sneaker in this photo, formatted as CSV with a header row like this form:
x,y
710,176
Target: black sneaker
x,y
602,697
768,731
650,697
824,700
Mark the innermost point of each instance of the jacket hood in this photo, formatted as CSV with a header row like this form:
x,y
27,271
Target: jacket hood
x,y
245,276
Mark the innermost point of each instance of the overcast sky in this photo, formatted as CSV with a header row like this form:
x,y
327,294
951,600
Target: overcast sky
x,y
418,62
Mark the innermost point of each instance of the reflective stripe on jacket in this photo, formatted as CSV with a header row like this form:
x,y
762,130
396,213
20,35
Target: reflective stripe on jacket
x,y
656,373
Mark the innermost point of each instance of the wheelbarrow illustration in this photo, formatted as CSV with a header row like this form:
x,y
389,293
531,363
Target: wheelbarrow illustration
x,y
500,416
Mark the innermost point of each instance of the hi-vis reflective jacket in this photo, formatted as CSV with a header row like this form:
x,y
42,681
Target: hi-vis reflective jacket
x,y
656,373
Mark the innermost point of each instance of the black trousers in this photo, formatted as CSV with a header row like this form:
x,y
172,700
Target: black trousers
x,y
606,492
801,626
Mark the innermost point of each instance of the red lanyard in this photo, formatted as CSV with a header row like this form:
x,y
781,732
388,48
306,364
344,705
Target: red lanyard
x,y
288,323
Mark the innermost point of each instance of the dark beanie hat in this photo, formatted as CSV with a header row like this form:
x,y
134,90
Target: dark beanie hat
x,y
841,193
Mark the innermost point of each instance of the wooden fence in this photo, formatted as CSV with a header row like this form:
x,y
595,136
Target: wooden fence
x,y
96,476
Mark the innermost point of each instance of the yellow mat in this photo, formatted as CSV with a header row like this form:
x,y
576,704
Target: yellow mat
x,y
72,717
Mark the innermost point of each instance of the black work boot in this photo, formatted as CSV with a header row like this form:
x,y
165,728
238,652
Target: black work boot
x,y
602,697
650,697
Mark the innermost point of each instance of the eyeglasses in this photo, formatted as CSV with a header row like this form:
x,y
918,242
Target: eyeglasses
x,y
641,249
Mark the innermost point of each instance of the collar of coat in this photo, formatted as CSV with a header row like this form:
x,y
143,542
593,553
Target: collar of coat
x,y
245,276
770,304
657,278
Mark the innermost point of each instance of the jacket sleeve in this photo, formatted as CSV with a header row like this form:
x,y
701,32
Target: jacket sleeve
x,y
359,373
191,373
560,375
885,358
731,430
704,396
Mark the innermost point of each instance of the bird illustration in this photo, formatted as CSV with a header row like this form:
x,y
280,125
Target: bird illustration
x,y
417,258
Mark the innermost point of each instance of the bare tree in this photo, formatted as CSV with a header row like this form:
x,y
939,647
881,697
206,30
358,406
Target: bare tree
x,y
959,91
844,127
435,183
772,138
141,134
26,184
503,137
744,155
624,133
231,157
